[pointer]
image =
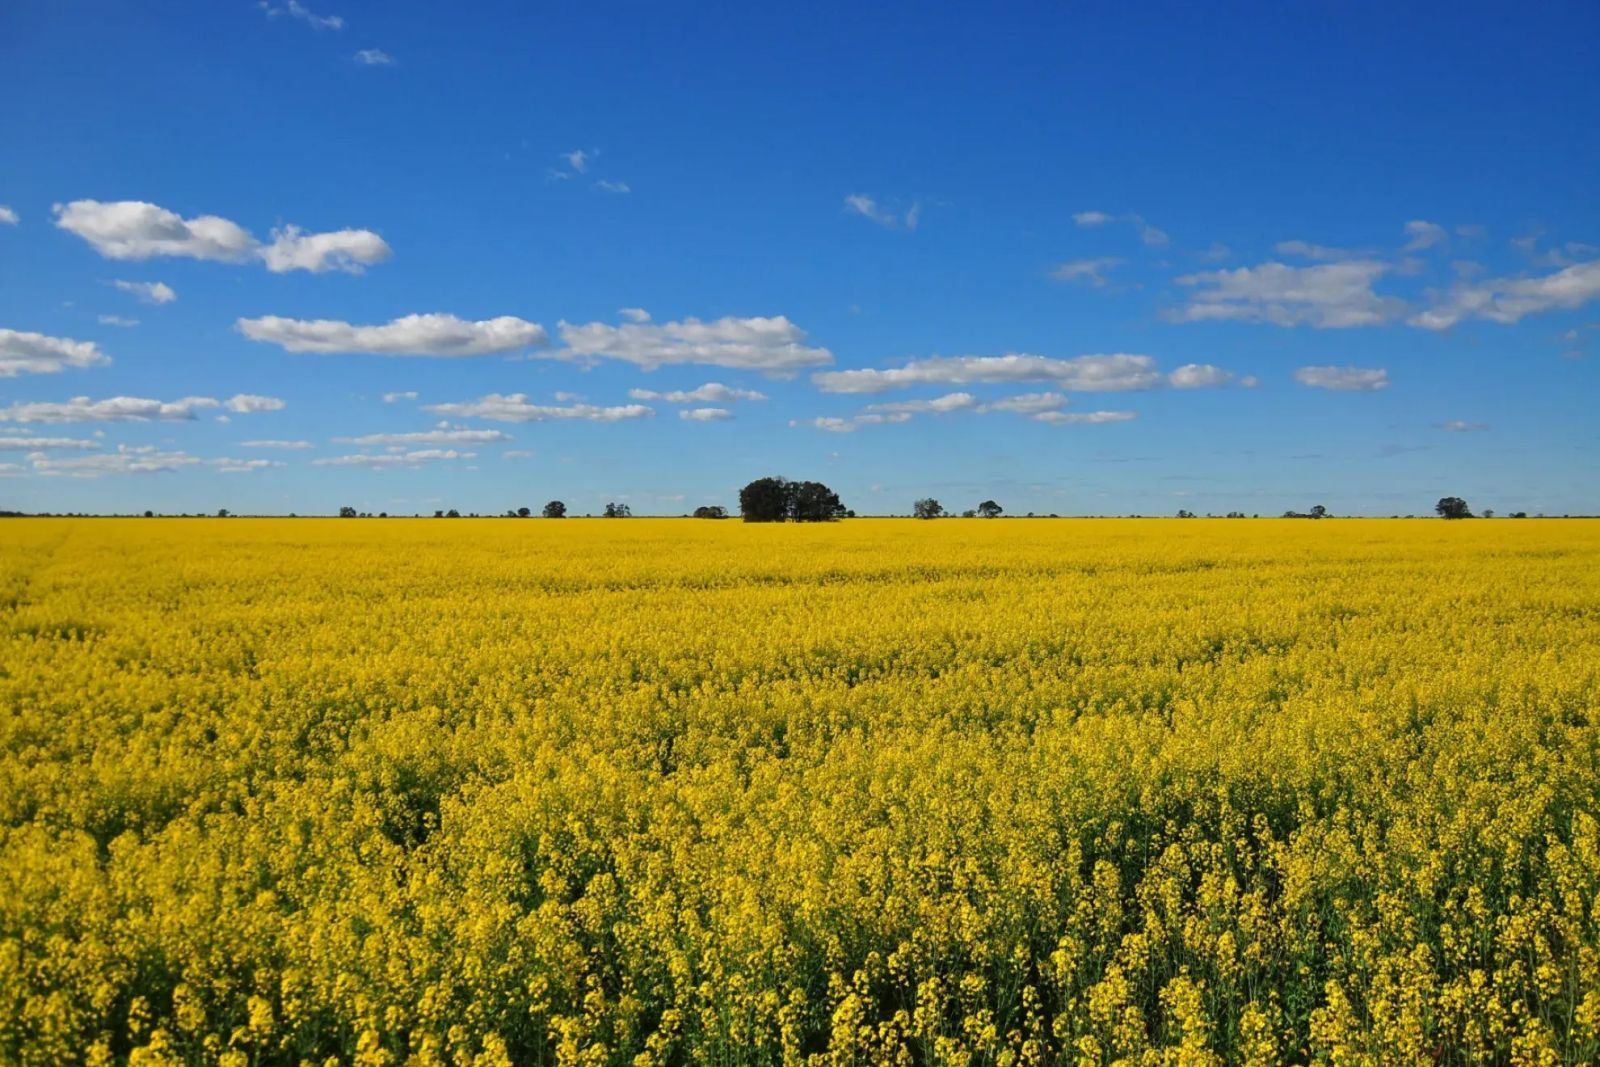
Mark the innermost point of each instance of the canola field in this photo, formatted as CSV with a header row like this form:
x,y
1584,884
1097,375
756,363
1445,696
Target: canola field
x,y
654,792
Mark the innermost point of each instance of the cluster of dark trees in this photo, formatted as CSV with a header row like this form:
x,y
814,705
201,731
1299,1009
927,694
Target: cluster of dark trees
x,y
780,500
929,508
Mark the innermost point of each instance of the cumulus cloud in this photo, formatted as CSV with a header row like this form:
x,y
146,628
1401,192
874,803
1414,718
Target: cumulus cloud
x,y
515,407
577,159
868,208
351,251
7,216
939,405
1027,403
1198,376
384,460
635,314
412,335
134,229
1097,373
709,393
1084,418
440,436
767,344
148,292
1088,271
1509,300
1463,426
35,353
1328,296
1424,235
1343,379
112,409
293,446
40,444
705,414
374,57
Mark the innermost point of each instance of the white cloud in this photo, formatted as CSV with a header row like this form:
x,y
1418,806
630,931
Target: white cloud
x,y
1463,426
8,216
1027,403
250,403
516,453
127,459
384,460
148,292
1092,218
112,409
1097,373
1331,295
854,422
938,405
1249,381
411,335
350,251
1424,235
395,398
514,407
442,436
1090,271
133,229
1508,300
294,446
1198,376
766,344
868,208
605,185
374,57
243,466
1084,418
577,159
304,14
39,444
709,393
35,353
1149,234
635,314
705,414
1343,379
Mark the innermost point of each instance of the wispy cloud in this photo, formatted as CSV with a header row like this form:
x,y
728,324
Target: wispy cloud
x,y
709,393
1343,379
441,436
869,208
1423,235
148,292
1086,271
1096,373
772,344
296,10
374,57
7,216
1150,235
1463,426
1509,300
131,409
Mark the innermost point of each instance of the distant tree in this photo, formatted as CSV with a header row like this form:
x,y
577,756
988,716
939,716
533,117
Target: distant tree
x,y
383,514
1452,507
970,513
1488,513
347,512
439,514
990,510
815,502
1185,514
617,511
1317,512
765,500
711,511
149,514
452,514
1514,514
555,510
222,513
1235,514
927,508
523,513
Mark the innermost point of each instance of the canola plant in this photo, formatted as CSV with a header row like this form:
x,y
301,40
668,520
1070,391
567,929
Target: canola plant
x,y
655,792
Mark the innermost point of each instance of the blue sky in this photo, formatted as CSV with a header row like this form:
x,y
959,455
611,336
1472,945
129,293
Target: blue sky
x,y
285,257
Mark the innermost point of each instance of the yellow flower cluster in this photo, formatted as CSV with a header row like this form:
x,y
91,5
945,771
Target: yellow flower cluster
x,y
1144,793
